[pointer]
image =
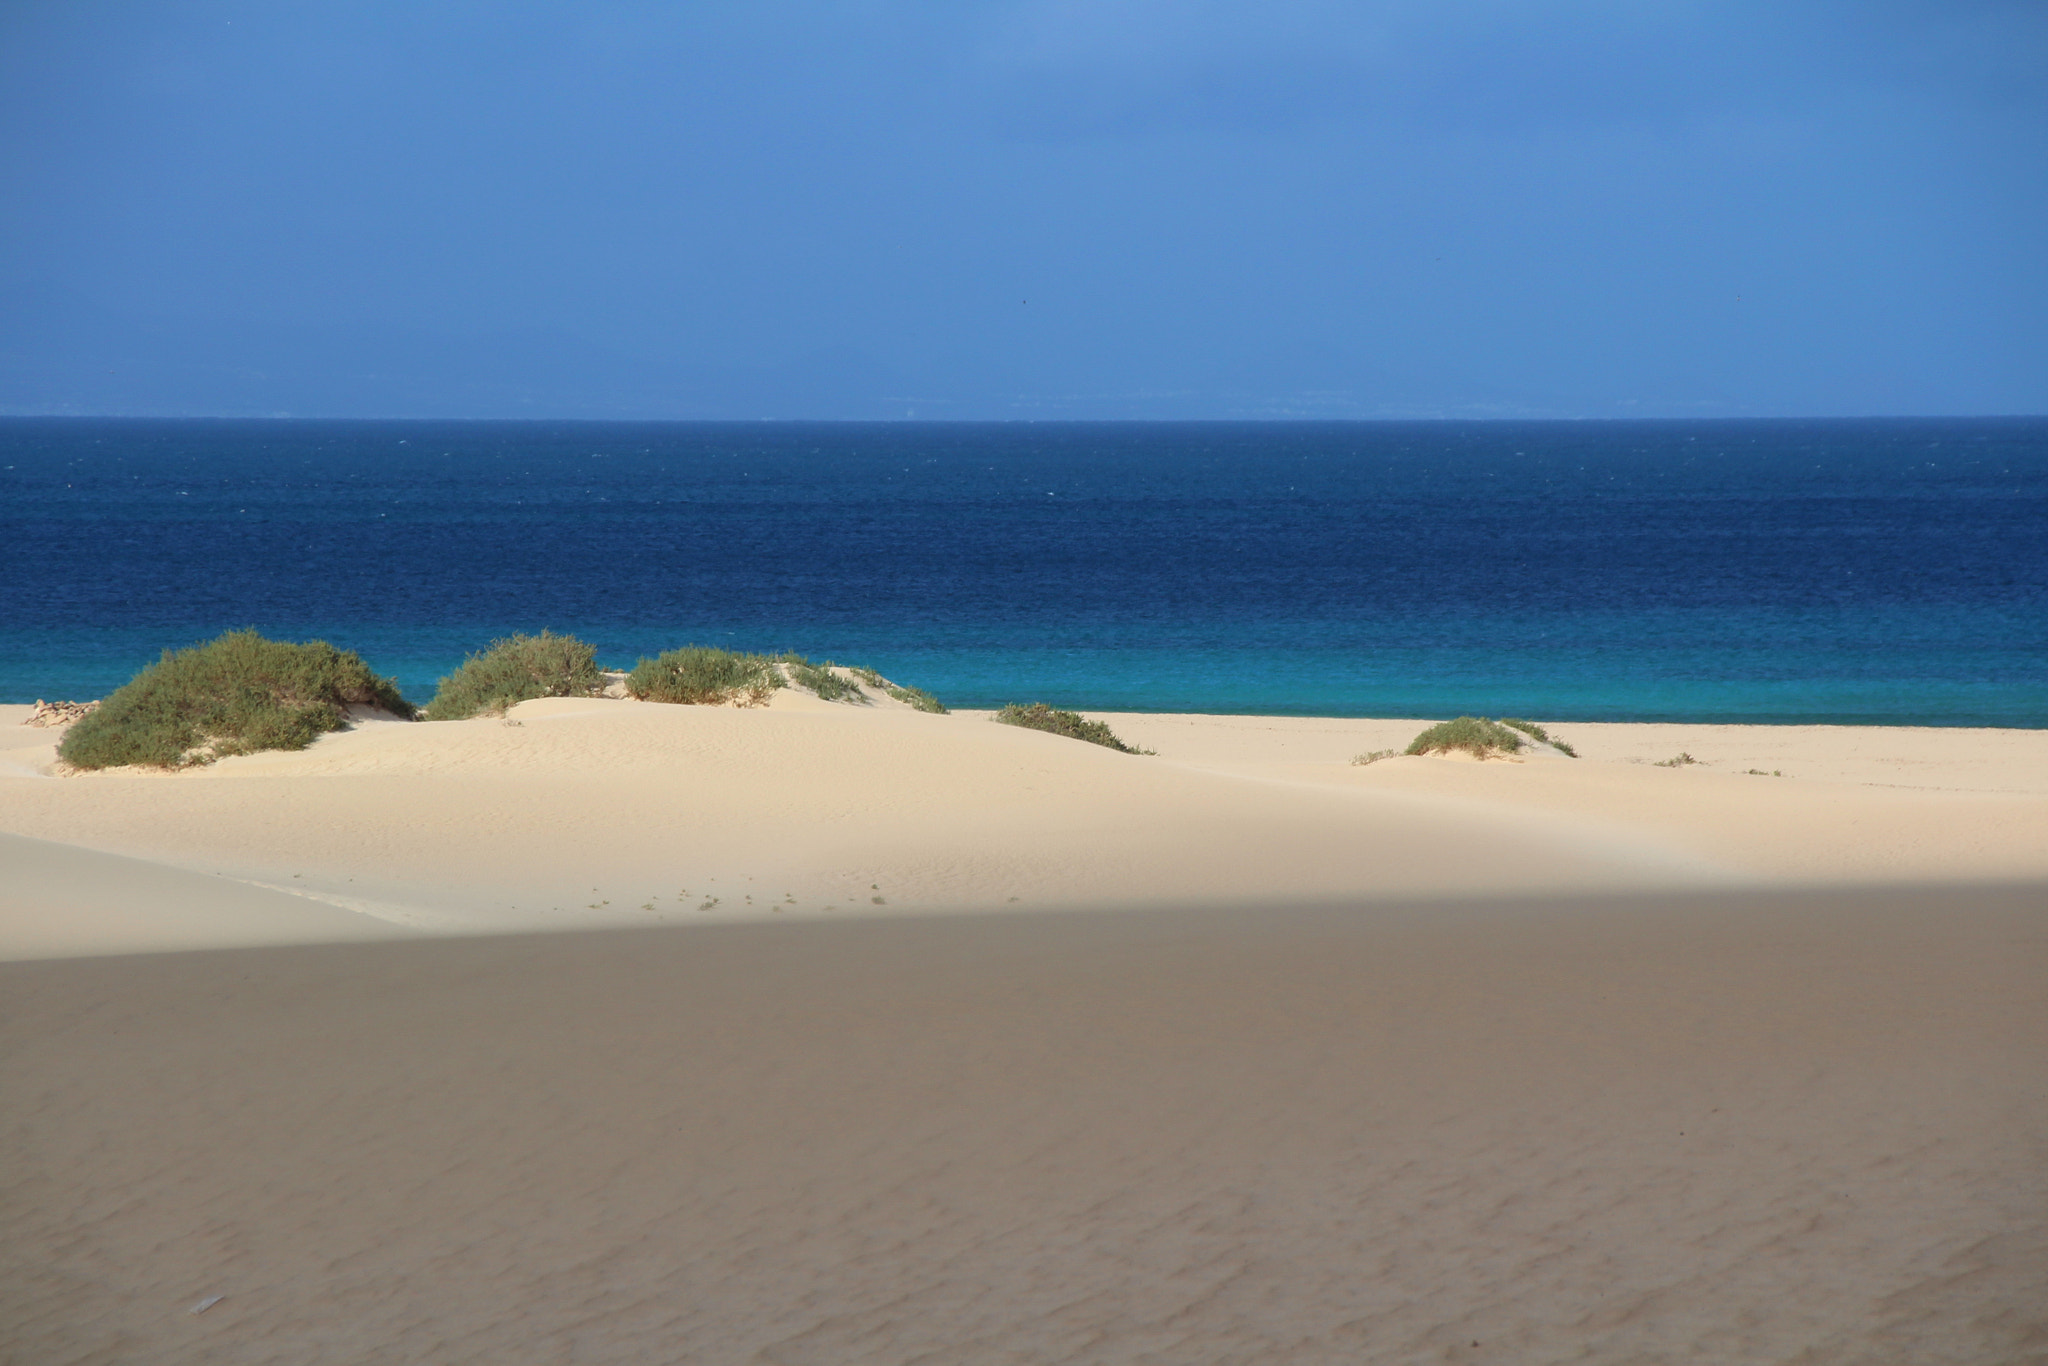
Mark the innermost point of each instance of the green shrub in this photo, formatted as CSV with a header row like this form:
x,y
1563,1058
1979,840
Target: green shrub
x,y
517,670
1475,735
1039,716
235,694
1372,757
1536,732
704,675
1679,760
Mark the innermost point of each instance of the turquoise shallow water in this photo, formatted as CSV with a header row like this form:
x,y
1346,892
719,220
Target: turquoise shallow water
x,y
1880,572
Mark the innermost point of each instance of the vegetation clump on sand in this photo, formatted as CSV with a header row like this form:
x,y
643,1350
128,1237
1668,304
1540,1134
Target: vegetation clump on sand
x,y
704,675
236,694
1475,735
1536,732
1039,716
1679,760
514,670
1372,756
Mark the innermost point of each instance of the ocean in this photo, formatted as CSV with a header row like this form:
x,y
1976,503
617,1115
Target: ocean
x,y
1866,572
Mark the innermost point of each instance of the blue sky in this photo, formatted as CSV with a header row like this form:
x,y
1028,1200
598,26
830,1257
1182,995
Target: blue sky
x,y
1124,208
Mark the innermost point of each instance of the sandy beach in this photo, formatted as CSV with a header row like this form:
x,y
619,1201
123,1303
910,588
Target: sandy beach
x,y
896,1037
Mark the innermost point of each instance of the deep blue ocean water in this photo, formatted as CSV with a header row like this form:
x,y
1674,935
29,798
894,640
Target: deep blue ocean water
x,y
1856,571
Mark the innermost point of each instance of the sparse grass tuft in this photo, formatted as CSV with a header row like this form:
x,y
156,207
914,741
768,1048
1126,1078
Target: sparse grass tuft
x,y
820,679
1774,773
236,694
1039,716
704,675
514,670
1679,760
1536,732
918,698
1475,735
1373,757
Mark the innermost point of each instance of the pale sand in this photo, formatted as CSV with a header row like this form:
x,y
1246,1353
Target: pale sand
x,y
59,900
1312,1103
1710,1128
608,812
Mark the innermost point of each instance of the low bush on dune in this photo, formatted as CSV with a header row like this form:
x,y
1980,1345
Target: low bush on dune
x,y
1475,735
1039,716
517,669
704,675
236,694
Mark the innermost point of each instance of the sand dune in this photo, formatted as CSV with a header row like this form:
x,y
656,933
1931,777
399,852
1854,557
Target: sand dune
x,y
1757,1127
1423,1061
607,812
1805,804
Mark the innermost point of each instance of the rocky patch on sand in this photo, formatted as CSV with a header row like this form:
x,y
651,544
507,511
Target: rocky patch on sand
x,y
58,713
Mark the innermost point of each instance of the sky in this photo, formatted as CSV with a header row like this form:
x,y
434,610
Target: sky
x,y
1026,209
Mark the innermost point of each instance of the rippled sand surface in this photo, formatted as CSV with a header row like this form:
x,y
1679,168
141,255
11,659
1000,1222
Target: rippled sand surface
x,y
1698,1127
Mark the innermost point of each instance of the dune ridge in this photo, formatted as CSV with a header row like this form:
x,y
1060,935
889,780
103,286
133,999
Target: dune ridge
x,y
580,813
